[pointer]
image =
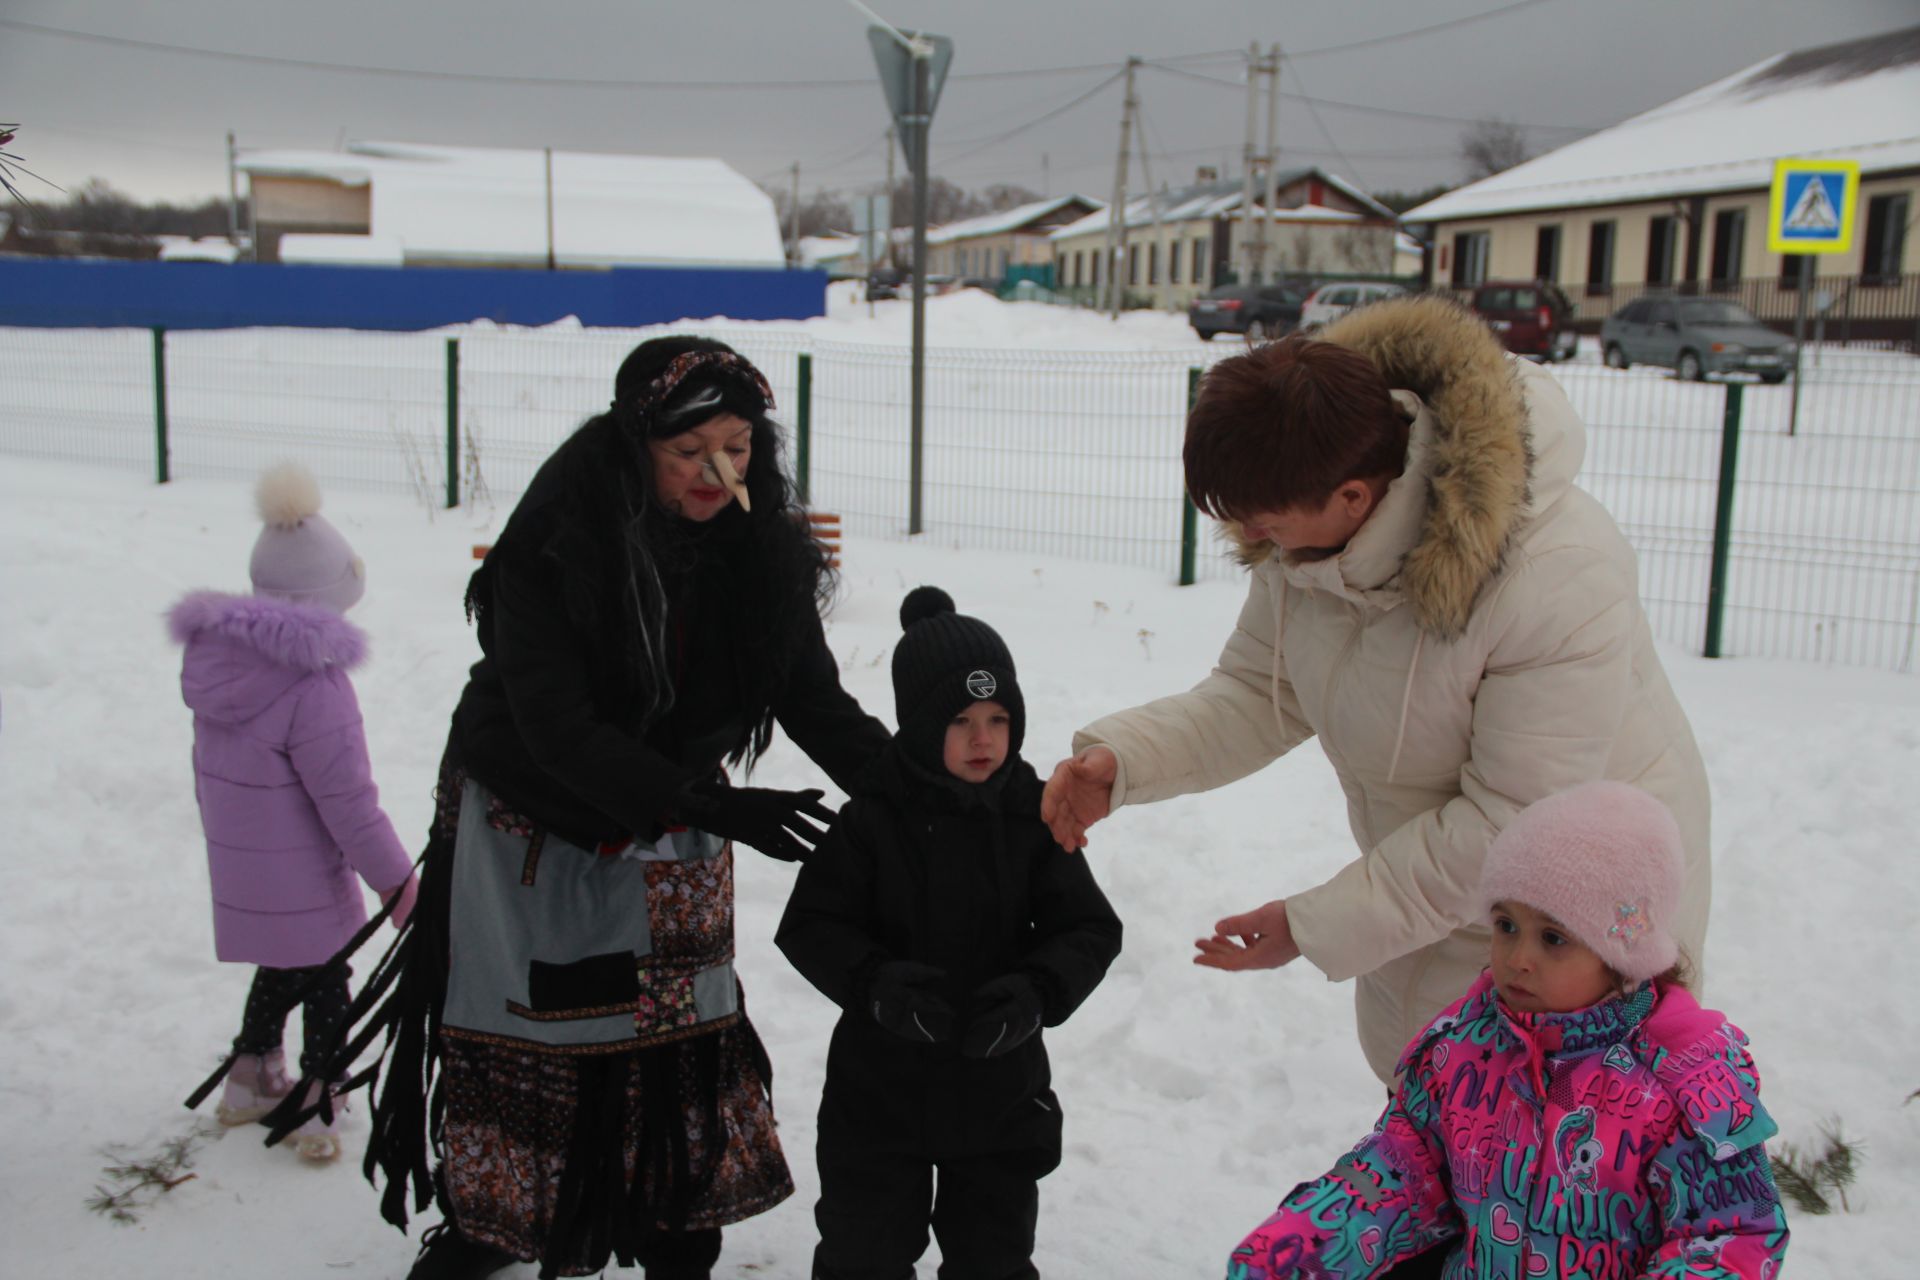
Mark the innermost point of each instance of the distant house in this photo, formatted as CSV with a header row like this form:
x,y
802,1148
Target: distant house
x,y
1180,243
990,245
838,256
470,206
1676,198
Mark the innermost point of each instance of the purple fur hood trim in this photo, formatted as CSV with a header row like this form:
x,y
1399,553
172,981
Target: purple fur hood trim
x,y
304,637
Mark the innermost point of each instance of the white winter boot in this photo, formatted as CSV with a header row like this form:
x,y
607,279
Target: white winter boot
x,y
255,1085
318,1140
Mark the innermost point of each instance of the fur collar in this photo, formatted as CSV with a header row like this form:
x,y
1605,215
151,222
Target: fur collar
x,y
305,637
1481,460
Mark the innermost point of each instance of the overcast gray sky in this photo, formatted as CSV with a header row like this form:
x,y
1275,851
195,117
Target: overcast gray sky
x,y
720,79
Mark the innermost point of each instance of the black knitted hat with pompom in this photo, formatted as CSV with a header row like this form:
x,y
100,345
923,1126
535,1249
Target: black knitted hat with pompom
x,y
945,662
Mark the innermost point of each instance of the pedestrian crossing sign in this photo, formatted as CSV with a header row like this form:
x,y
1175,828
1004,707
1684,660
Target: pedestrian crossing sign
x,y
1812,206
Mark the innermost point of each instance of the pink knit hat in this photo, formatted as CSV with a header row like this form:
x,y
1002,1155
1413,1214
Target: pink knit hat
x,y
299,556
1603,859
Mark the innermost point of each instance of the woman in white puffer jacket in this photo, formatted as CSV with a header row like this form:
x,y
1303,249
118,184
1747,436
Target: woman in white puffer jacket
x,y
1432,596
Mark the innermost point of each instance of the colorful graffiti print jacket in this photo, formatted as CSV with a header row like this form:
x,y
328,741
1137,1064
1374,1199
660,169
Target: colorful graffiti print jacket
x,y
1615,1142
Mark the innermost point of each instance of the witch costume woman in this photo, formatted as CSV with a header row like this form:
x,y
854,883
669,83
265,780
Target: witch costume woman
x,y
567,1042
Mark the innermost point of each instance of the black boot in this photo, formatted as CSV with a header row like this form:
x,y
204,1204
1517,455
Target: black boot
x,y
445,1254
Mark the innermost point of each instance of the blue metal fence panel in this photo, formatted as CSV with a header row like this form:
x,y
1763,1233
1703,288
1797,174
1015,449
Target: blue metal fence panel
x,y
61,293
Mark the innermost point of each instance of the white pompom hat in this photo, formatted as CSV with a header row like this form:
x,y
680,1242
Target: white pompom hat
x,y
1603,859
299,556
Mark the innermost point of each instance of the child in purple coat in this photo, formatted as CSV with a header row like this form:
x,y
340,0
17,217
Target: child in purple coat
x,y
285,788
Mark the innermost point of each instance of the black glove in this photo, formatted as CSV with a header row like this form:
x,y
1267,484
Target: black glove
x,y
1009,1014
902,999
777,823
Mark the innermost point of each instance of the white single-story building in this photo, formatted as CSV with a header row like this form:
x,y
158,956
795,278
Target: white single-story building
x,y
1676,198
472,206
1180,243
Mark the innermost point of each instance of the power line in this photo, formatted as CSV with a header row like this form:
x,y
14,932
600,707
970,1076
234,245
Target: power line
x,y
1034,123
1417,31
1325,132
1239,86
546,82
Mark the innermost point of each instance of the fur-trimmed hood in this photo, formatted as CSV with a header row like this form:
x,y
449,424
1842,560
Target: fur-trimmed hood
x,y
244,652
302,636
1482,457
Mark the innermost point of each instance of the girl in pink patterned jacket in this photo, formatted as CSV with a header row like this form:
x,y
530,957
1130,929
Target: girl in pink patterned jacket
x,y
1577,1113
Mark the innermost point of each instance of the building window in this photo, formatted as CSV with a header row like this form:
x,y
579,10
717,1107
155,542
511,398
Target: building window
x,y
1729,246
1660,240
1200,261
1546,254
1886,240
1133,264
1469,258
1600,257
1173,263
1792,267
1093,257
1153,264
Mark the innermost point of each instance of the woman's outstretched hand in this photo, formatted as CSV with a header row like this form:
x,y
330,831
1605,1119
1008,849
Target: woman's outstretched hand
x,y
1078,795
781,824
1259,939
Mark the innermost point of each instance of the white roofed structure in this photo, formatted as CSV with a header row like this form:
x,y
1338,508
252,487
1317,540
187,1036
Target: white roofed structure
x,y
1676,198
471,206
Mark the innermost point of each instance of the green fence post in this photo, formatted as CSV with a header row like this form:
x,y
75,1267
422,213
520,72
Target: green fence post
x,y
162,465
1723,517
453,423
803,430
1189,518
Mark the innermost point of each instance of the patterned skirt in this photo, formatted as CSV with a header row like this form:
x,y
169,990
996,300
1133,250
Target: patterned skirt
x,y
516,1121
599,1075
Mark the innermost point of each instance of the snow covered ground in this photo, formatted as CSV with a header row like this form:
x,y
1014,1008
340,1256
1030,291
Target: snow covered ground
x,y
1194,1099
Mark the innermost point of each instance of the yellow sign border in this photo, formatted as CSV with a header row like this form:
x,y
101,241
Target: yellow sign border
x,y
1777,202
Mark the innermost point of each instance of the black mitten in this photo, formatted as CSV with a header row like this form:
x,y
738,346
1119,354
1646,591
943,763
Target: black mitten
x,y
902,999
1009,1013
779,824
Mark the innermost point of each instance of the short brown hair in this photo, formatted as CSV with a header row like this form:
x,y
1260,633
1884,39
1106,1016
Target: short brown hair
x,y
1288,423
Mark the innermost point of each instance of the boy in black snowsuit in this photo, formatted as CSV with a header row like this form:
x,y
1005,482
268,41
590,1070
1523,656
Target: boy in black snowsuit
x,y
942,918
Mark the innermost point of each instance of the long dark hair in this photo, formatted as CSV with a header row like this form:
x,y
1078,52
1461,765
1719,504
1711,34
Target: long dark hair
x,y
624,561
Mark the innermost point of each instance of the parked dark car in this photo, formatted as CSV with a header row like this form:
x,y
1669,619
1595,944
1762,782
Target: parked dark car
x,y
885,282
1257,310
1532,317
1695,337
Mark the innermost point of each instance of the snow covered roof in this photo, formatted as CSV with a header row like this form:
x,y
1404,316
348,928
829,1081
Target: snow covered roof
x,y
1859,100
1219,199
188,249
314,249
816,251
994,224
471,204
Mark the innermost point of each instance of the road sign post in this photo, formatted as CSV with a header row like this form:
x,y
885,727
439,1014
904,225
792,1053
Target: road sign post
x,y
913,67
1810,211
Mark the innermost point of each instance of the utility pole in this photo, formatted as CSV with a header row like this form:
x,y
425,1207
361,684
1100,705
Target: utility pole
x,y
1273,162
1248,158
233,196
549,158
793,220
1156,262
1117,213
921,120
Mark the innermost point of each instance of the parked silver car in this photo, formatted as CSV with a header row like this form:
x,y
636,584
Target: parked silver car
x,y
1331,301
1695,337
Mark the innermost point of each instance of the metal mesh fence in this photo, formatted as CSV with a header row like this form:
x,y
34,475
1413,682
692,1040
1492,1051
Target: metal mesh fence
x,y
88,401
1069,454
